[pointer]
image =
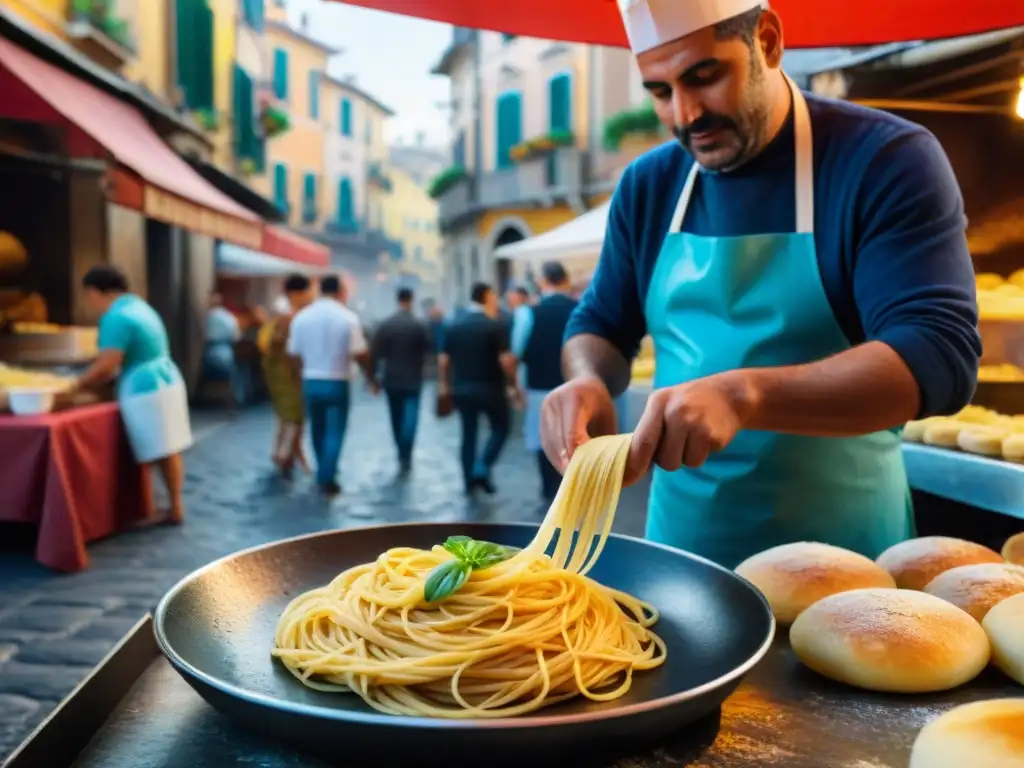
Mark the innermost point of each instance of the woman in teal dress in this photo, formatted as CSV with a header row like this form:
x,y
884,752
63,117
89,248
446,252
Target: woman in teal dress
x,y
150,390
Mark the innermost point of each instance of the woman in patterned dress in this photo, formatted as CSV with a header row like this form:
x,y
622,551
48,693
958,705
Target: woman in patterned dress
x,y
282,376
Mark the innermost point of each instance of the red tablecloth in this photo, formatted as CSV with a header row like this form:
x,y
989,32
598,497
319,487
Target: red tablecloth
x,y
73,475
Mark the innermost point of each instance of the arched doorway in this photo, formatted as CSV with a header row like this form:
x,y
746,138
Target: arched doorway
x,y
503,267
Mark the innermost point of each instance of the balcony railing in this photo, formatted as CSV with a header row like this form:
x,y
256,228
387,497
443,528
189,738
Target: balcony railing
x,y
96,28
545,179
541,179
454,203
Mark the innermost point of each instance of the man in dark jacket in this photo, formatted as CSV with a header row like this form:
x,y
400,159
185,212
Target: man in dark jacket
x,y
400,346
537,344
478,370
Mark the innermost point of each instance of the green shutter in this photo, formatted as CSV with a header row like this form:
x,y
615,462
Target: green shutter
x,y
509,125
314,94
346,117
560,103
254,14
281,74
281,186
346,216
309,211
194,50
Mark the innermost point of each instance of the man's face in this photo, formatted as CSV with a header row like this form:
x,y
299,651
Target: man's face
x,y
491,303
515,299
714,95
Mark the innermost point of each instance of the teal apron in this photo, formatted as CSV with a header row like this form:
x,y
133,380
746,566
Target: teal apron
x,y
720,303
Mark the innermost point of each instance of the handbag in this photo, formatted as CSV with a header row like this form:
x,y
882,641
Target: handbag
x,y
445,405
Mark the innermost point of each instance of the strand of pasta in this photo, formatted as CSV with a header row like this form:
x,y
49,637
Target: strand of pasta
x,y
527,633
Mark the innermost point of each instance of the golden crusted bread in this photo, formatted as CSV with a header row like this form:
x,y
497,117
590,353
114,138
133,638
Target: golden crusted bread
x,y
976,588
916,562
1004,625
893,640
795,576
985,734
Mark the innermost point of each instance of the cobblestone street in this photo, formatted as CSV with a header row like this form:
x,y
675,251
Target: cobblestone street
x,y
54,628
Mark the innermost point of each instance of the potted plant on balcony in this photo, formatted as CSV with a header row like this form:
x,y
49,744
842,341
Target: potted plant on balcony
x,y
637,128
100,15
541,145
208,119
445,180
273,116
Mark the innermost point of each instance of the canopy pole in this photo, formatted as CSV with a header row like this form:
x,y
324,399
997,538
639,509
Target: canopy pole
x,y
932,106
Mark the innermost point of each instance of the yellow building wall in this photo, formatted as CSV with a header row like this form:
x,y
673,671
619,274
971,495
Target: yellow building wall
x,y
410,216
152,64
45,15
539,220
301,148
225,31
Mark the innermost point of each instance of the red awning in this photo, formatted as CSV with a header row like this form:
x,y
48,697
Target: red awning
x,y
173,193
808,23
278,241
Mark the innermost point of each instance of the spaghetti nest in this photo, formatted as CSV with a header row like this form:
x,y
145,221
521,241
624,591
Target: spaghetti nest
x,y
524,633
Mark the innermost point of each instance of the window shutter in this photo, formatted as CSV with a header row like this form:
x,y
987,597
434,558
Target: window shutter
x,y
314,94
509,127
281,74
281,186
345,213
346,117
560,103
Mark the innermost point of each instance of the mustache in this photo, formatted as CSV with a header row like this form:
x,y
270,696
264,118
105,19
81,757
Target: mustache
x,y
709,121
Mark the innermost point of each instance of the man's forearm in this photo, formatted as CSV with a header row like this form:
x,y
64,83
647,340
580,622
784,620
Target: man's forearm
x,y
865,389
443,372
366,365
590,355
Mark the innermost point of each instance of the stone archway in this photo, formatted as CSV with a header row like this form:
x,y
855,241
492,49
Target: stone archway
x,y
506,231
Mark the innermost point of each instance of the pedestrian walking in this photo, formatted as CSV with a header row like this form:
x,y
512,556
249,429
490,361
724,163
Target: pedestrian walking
x,y
477,369
537,344
325,339
284,382
399,348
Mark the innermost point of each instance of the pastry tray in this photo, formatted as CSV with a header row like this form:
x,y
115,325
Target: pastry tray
x,y
135,711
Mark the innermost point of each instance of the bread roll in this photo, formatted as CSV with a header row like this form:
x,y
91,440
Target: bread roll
x,y
893,640
985,441
1013,549
976,588
795,576
1013,447
916,562
1004,625
913,431
943,433
985,734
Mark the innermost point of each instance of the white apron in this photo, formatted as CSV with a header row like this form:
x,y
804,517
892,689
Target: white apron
x,y
157,422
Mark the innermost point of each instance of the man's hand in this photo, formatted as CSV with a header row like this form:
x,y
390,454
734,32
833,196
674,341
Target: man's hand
x,y
683,425
573,413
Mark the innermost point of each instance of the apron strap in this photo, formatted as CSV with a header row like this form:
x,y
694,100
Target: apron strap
x,y
804,143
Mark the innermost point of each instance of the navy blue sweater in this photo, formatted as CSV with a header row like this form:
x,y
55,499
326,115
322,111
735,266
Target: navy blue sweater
x,y
889,228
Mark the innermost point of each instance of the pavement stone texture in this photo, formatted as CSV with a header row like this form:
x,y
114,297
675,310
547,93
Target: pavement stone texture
x,y
54,628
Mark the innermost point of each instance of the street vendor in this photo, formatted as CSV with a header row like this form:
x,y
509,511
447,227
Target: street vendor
x,y
151,392
802,268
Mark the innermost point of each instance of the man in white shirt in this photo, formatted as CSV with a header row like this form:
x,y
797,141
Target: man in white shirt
x,y
325,338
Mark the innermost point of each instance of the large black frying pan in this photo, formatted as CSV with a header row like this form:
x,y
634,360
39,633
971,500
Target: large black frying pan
x,y
217,625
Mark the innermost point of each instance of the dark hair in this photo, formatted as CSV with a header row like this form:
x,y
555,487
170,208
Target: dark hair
x,y
553,272
106,278
296,283
330,285
404,295
522,290
478,295
743,26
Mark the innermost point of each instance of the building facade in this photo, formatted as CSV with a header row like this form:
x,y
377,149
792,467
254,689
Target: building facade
x,y
411,219
293,176
529,148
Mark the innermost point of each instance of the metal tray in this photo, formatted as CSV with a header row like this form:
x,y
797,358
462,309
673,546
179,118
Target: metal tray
x,y
135,711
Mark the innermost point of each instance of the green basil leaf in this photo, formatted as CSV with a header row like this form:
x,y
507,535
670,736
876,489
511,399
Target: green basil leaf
x,y
484,554
457,545
445,580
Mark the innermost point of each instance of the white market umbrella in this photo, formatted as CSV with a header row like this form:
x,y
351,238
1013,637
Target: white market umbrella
x,y
581,237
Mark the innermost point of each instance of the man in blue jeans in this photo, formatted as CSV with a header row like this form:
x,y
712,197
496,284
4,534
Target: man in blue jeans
x,y
477,368
326,338
400,347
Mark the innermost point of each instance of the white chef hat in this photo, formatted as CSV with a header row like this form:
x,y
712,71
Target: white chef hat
x,y
650,23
